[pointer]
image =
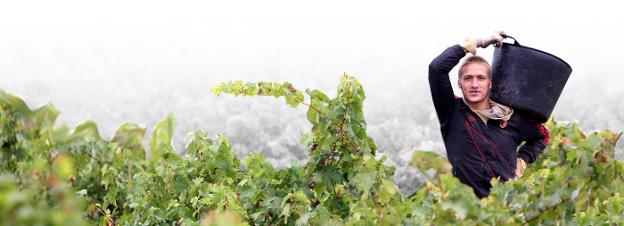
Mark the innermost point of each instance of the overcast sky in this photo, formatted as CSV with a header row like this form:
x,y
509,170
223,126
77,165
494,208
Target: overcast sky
x,y
72,53
50,38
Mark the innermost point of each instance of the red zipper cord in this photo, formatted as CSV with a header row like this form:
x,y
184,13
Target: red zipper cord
x,y
545,133
487,166
495,149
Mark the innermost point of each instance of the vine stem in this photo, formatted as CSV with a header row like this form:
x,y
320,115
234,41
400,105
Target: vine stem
x,y
313,108
428,177
93,157
294,90
343,133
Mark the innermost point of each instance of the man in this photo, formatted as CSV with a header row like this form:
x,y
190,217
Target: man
x,y
481,136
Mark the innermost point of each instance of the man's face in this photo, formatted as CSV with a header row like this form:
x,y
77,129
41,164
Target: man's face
x,y
475,83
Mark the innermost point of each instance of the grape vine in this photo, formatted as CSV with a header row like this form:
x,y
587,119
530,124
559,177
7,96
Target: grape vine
x,y
54,175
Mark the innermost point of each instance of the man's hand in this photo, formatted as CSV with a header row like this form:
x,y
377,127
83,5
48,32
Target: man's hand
x,y
470,45
495,38
520,167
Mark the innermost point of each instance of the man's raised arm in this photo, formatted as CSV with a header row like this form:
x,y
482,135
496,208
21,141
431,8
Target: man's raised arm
x,y
440,84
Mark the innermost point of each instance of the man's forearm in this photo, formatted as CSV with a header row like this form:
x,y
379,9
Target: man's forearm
x,y
529,151
535,146
444,63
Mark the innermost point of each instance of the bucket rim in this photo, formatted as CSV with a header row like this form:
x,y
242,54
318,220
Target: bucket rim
x,y
530,48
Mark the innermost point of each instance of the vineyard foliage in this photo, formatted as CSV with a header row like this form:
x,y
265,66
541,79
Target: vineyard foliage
x,y
53,175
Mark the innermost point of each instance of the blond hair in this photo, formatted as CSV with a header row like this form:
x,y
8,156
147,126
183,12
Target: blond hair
x,y
475,60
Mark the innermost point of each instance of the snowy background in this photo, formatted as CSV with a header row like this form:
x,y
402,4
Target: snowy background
x,y
137,61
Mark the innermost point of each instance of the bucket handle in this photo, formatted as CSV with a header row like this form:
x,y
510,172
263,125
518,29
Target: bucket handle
x,y
516,43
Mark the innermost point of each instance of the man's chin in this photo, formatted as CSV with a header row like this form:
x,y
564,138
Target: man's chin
x,y
475,100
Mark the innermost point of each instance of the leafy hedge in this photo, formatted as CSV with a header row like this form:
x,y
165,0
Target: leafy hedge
x,y
51,175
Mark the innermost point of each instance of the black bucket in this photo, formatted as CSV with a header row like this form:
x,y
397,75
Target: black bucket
x,y
527,79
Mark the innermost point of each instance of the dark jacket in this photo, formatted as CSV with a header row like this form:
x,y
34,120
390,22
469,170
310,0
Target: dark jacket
x,y
479,152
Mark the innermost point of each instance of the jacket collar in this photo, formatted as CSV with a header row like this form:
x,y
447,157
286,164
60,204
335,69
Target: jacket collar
x,y
484,115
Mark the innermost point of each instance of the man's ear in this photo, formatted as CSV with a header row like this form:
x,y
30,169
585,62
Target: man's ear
x,y
459,84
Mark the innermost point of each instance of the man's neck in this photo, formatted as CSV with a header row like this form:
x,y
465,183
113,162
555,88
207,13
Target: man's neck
x,y
483,105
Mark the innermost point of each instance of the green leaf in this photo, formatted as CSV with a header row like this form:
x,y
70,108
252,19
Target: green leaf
x,y
161,141
129,137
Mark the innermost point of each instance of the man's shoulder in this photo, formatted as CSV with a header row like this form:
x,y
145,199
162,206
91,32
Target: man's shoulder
x,y
460,101
461,108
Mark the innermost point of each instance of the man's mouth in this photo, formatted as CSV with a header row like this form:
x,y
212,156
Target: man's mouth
x,y
474,92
